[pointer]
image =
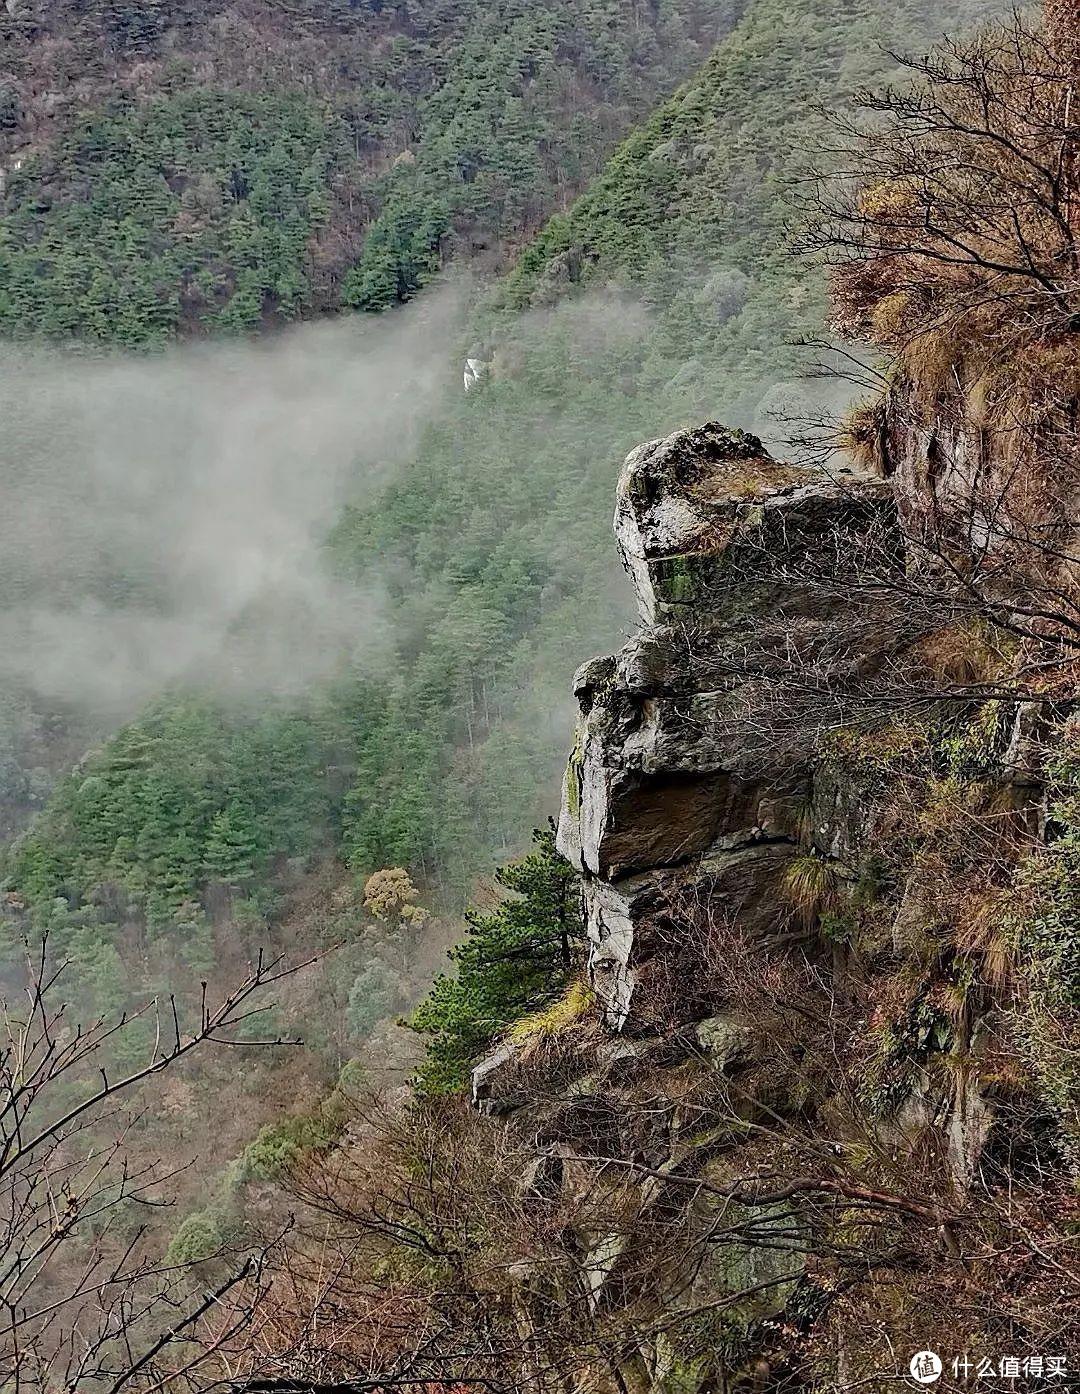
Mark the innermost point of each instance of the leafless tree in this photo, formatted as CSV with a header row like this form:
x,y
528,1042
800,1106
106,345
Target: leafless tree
x,y
86,1303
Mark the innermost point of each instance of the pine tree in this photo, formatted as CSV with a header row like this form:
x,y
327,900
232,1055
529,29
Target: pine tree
x,y
516,958
376,994
231,846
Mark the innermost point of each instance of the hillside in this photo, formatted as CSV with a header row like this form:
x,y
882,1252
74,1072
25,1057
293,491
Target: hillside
x,y
782,1092
179,169
694,211
503,511
491,532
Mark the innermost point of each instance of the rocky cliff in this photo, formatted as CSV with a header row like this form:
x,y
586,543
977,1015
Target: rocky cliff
x,y
680,785
813,823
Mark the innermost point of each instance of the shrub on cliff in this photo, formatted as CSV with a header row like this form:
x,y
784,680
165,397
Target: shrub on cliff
x,y
1043,928
197,1240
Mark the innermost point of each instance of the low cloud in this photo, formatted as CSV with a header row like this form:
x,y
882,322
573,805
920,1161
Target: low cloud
x,y
163,518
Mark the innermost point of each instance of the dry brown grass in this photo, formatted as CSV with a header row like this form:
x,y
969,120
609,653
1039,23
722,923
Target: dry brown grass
x,y
980,934
860,436
811,886
966,655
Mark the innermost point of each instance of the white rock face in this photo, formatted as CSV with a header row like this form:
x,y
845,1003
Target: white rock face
x,y
661,509
486,1074
609,925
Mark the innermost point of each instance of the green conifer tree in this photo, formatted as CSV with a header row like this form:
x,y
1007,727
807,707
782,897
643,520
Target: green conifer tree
x,y
231,846
516,958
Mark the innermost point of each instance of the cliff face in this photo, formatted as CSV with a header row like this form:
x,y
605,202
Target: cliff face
x,y
981,466
821,885
680,784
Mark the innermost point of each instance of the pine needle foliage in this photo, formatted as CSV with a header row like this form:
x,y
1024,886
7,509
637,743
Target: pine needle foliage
x,y
516,958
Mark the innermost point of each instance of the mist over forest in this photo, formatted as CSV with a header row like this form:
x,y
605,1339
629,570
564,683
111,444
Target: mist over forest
x,y
165,516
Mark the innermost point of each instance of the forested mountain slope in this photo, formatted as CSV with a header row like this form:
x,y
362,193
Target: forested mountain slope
x,y
164,855
494,531
191,168
694,210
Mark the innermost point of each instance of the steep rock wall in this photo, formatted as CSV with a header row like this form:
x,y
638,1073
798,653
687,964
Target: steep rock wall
x,y
668,796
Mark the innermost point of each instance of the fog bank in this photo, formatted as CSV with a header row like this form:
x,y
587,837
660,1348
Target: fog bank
x,y
163,517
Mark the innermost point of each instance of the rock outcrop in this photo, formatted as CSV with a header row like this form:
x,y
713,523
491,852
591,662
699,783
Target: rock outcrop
x,y
678,788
